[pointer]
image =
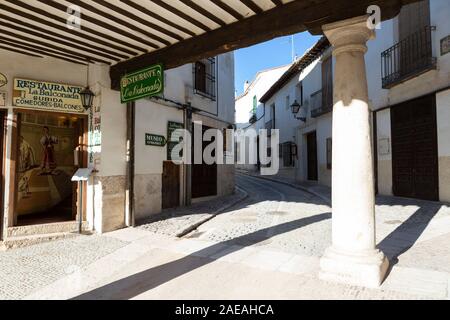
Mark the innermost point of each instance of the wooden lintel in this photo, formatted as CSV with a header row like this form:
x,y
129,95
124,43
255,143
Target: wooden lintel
x,y
296,16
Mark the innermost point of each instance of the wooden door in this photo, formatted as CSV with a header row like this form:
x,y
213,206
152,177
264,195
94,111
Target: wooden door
x,y
414,149
204,176
313,174
170,185
413,17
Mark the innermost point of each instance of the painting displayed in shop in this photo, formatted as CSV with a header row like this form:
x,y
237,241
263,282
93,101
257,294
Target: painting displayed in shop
x,y
46,163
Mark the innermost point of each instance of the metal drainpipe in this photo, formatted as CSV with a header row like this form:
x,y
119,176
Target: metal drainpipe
x,y
188,167
131,132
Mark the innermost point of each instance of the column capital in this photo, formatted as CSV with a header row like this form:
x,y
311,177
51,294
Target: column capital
x,y
349,35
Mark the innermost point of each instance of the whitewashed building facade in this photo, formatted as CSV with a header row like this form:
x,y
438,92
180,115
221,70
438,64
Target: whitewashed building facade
x,y
44,145
408,72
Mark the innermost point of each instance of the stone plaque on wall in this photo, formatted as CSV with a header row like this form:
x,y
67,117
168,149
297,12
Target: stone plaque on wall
x,y
384,147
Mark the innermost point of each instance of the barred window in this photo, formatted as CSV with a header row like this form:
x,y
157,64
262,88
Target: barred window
x,y
288,151
205,78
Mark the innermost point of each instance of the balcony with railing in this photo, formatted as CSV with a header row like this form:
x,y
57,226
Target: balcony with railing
x,y
409,58
321,103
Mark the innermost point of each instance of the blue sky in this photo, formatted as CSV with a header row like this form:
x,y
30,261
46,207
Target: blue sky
x,y
269,54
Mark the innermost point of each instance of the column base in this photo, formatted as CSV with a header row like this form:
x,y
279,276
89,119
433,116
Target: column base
x,y
366,269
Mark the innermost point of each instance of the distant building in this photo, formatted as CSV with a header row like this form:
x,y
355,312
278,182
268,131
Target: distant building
x,y
408,71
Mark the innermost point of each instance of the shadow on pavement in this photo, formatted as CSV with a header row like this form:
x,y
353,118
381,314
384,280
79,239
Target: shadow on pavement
x,y
134,285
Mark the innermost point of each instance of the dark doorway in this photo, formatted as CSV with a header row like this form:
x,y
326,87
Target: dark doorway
x,y
170,185
414,149
50,148
313,174
204,176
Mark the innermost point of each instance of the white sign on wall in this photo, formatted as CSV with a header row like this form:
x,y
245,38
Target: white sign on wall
x,y
2,99
39,95
384,147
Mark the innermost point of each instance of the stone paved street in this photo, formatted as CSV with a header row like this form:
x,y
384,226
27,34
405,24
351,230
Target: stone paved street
x,y
25,270
267,246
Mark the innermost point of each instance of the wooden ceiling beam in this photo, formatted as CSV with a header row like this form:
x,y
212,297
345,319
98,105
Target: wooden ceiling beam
x,y
228,9
253,6
204,12
105,25
4,47
181,15
293,17
87,31
41,50
52,47
18,24
153,15
54,40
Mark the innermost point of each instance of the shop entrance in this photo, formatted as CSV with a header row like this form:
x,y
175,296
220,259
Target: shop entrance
x,y
50,148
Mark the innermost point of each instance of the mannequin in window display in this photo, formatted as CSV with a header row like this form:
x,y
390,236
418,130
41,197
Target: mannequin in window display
x,y
48,142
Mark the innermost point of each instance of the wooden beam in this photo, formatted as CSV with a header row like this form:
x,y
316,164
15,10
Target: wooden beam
x,y
228,9
181,14
105,25
40,50
153,15
204,12
53,39
253,6
136,18
4,47
290,18
85,33
49,33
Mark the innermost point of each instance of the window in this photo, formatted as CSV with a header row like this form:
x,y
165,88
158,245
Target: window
x,y
329,153
299,93
327,83
272,115
288,151
205,78
288,102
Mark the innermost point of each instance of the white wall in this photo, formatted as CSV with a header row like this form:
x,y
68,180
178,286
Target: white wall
x,y
443,126
259,86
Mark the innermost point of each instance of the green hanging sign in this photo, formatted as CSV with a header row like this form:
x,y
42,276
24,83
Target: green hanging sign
x,y
155,140
143,83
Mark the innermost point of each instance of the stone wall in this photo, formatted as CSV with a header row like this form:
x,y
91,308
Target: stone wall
x,y
147,195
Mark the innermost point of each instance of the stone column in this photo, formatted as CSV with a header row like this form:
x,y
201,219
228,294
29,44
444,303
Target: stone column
x,y
353,257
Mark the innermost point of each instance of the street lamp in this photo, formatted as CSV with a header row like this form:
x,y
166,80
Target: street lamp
x,y
296,109
87,98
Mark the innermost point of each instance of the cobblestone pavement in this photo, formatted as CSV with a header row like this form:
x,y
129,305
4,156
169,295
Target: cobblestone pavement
x,y
291,220
25,270
177,222
411,232
266,246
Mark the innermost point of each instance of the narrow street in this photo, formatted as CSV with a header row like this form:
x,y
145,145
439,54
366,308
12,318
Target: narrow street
x,y
276,217
268,246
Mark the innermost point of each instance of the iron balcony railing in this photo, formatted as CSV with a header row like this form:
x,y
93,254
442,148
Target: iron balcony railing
x,y
409,58
321,102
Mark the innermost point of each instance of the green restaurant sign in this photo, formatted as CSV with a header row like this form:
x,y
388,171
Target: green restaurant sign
x,y
141,84
155,140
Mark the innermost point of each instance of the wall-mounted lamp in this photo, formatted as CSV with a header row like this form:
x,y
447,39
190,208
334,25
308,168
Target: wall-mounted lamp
x,y
296,109
87,96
